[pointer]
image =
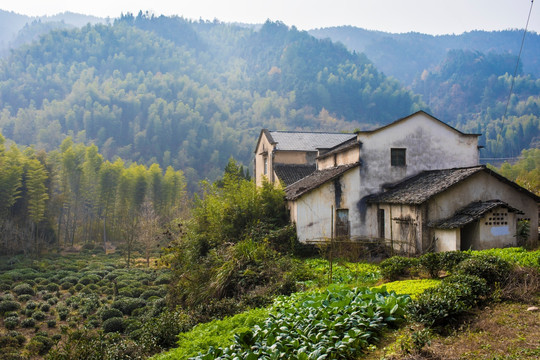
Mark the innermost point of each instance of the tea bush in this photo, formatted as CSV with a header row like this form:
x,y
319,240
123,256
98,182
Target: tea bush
x,y
395,267
31,305
24,289
40,345
110,313
24,297
451,298
491,268
127,305
52,287
28,323
450,259
432,263
11,322
9,305
38,315
115,324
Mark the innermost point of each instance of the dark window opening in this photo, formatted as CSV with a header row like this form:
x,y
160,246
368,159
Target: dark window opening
x,y
398,157
342,222
380,221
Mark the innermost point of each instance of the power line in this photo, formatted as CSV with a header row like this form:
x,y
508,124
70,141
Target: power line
x,y
517,62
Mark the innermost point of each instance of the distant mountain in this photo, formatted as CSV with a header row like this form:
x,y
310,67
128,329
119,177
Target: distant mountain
x,y
16,29
188,94
406,56
191,94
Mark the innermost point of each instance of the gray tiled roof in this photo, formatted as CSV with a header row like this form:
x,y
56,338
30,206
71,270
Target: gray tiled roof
x,y
316,179
307,141
470,213
291,173
423,186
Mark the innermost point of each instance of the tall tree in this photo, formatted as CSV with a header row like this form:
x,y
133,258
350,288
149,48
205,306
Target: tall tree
x,y
36,175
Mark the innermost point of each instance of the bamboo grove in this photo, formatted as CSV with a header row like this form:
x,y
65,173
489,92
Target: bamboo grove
x,y
73,197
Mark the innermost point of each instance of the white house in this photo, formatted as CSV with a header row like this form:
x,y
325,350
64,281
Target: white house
x,y
408,182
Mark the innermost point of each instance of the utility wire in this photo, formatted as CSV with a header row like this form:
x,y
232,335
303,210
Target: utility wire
x,y
517,63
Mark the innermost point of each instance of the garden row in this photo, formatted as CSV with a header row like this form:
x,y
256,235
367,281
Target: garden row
x,y
43,302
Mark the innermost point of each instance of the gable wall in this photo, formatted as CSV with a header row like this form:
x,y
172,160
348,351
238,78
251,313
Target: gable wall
x,y
258,165
312,212
482,187
429,145
348,156
293,157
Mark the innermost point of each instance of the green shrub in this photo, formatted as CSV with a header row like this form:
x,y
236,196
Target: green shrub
x,y
28,323
451,298
163,279
40,345
115,324
31,305
491,268
38,315
63,312
127,305
5,285
41,281
13,339
45,307
11,322
52,301
432,263
24,289
89,279
396,266
9,305
51,323
149,293
70,279
52,287
450,259
110,313
161,332
24,297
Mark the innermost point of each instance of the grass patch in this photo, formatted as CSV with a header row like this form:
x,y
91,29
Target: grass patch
x,y
215,333
413,288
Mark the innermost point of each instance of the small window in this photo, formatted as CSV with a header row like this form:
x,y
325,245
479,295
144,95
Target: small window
x,y
380,222
398,157
342,222
265,165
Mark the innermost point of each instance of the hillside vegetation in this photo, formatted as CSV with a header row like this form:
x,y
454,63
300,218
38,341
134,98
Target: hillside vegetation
x,y
187,94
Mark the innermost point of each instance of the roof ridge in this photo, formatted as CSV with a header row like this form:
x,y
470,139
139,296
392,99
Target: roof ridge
x,y
311,132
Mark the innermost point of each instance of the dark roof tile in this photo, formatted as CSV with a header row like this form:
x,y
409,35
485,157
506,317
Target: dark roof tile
x,y
470,213
316,179
423,186
291,173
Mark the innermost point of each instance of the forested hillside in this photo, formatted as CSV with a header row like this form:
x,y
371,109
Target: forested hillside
x,y
191,94
187,94
473,88
406,56
464,79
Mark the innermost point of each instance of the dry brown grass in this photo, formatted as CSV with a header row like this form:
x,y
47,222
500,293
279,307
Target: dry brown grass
x,y
499,331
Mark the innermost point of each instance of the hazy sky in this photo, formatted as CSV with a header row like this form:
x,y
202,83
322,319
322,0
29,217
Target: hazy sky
x,y
426,16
